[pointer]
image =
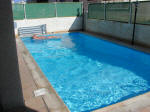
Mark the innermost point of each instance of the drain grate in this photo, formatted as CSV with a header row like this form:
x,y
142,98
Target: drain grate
x,y
40,92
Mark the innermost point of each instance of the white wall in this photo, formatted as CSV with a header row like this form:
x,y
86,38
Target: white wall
x,y
53,24
111,28
119,30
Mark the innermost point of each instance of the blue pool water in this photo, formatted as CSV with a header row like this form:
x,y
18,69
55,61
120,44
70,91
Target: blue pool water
x,y
89,73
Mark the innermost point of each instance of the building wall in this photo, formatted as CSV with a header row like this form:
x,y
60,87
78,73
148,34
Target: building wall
x,y
53,24
10,85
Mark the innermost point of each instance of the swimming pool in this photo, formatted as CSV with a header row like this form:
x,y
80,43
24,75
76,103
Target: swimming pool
x,y
89,73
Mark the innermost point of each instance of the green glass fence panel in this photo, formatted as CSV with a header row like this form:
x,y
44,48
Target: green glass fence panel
x,y
18,11
133,12
69,9
118,11
96,11
143,13
40,10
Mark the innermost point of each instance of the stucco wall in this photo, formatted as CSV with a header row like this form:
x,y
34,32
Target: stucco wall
x,y
53,24
142,34
119,30
115,29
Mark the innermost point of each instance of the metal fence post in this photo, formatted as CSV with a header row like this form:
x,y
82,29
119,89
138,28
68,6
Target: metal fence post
x,y
55,9
135,14
24,7
105,10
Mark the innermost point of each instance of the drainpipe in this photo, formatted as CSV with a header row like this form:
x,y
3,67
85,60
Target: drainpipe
x,y
133,34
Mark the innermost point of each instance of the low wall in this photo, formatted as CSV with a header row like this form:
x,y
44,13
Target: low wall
x,y
142,34
119,30
52,24
115,29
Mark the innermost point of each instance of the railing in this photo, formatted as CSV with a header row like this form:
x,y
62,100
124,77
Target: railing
x,y
47,10
29,31
122,12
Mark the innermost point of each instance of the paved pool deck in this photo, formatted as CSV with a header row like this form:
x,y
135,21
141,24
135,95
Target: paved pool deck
x,y
36,104
33,79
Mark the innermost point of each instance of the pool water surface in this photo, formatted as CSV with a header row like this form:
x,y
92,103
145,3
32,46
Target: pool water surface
x,y
89,73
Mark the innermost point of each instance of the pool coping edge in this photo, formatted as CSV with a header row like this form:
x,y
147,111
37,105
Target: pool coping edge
x,y
52,99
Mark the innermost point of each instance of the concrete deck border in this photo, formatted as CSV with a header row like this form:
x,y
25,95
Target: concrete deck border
x,y
51,98
139,103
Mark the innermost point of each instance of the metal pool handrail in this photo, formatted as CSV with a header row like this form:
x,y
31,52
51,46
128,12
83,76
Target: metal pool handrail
x,y
30,31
